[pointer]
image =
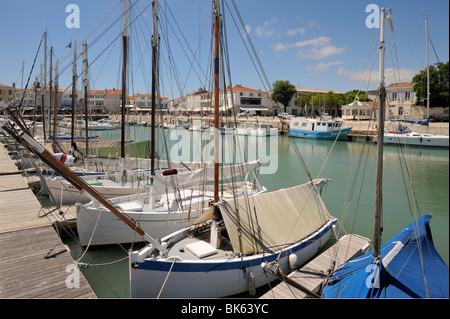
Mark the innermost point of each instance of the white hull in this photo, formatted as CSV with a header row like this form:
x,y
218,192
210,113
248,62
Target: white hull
x,y
415,139
65,193
97,226
264,132
214,278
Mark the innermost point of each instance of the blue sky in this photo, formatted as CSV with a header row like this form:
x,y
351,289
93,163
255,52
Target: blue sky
x,y
313,44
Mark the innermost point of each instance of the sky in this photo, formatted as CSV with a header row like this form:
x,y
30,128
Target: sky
x,y
323,44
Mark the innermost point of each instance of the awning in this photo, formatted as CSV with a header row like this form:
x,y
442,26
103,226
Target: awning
x,y
253,108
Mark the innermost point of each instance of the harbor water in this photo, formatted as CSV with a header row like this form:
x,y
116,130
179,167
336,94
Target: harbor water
x,y
349,196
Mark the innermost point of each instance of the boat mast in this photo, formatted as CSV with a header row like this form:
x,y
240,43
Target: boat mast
x,y
216,101
155,40
428,74
55,109
44,112
43,90
74,80
379,167
50,92
124,76
86,85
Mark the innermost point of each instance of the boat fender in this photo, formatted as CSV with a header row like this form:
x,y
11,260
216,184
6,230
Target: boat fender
x,y
168,172
293,261
251,283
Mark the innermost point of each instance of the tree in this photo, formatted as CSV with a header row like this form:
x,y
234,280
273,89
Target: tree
x,y
439,85
283,92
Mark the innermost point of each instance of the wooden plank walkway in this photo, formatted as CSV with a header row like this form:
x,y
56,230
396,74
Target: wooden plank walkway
x,y
34,263
313,273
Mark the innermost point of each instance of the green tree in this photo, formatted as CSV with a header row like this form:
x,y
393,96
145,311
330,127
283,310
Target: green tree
x,y
439,85
283,92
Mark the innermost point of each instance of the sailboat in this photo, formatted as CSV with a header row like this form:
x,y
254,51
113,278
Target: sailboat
x,y
162,203
225,250
406,266
404,136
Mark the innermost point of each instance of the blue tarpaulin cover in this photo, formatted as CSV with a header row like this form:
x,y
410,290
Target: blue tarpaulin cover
x,y
400,274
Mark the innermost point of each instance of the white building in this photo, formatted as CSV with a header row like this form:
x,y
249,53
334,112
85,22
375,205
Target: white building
x,y
400,101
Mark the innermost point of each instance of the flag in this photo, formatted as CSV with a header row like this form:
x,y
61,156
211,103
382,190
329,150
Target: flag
x,y
81,53
69,45
311,97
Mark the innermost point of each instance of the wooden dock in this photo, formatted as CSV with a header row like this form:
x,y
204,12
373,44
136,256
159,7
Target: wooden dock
x,y
313,273
34,263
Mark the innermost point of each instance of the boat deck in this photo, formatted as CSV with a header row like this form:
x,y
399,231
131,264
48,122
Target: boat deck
x,y
313,273
34,263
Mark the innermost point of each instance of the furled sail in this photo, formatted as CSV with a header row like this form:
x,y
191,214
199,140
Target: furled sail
x,y
272,220
203,175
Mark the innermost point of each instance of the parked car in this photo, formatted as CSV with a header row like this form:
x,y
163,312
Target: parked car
x,y
285,116
246,114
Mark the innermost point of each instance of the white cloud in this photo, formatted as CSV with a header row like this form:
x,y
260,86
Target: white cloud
x,y
265,31
315,48
323,67
317,53
300,31
360,76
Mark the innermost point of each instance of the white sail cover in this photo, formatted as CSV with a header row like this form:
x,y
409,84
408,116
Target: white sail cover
x,y
202,176
282,217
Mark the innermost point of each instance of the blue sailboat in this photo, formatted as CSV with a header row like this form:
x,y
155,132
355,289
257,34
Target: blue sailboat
x,y
408,265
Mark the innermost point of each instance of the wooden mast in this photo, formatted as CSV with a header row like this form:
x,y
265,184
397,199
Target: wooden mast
x,y
55,109
216,101
50,91
86,85
154,79
44,112
74,80
124,77
379,166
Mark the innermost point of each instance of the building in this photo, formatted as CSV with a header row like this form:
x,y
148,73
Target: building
x,y
7,93
113,101
400,99
143,103
239,97
247,99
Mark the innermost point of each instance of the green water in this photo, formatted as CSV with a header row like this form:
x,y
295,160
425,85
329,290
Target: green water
x,y
350,195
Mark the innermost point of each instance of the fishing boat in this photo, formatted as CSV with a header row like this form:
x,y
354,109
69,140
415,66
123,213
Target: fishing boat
x,y
406,266
323,129
404,136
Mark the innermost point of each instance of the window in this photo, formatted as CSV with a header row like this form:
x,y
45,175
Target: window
x,y
408,96
394,96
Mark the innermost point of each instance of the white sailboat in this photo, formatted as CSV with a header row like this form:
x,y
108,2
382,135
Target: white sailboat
x,y
173,202
404,136
224,253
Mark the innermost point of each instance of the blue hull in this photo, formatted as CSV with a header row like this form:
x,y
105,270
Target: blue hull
x,y
326,135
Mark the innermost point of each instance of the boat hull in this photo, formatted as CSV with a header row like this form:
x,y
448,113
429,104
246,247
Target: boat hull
x,y
97,226
216,278
414,139
65,193
321,135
